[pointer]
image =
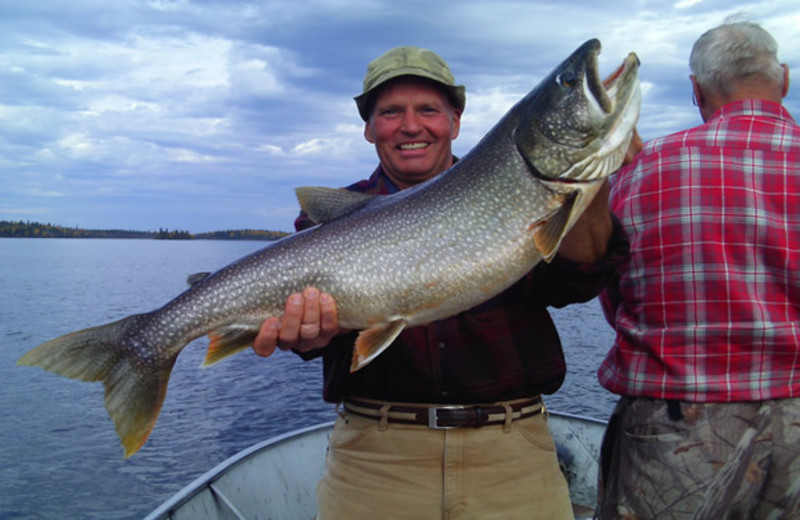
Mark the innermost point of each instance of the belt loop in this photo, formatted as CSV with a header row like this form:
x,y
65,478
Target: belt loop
x,y
674,411
384,423
509,417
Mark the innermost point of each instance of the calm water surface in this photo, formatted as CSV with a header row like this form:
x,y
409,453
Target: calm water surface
x,y
59,454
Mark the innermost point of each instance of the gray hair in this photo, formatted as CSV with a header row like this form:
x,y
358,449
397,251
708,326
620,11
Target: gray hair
x,y
725,56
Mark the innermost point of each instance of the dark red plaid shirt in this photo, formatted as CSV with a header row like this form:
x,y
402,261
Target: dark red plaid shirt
x,y
708,307
505,348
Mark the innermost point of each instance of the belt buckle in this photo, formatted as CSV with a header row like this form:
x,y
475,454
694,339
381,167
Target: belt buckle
x,y
433,417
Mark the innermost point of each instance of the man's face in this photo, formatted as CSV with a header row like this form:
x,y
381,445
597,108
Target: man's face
x,y
412,125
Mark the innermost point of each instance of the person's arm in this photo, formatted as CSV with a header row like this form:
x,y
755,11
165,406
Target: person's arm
x,y
310,320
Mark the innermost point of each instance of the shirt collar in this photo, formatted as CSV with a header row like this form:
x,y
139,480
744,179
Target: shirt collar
x,y
752,107
385,185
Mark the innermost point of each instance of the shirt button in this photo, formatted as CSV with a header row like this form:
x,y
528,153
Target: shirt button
x,y
440,345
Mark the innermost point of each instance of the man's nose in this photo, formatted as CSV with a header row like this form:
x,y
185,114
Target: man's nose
x,y
411,122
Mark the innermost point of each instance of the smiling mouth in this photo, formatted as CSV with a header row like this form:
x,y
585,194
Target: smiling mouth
x,y
413,146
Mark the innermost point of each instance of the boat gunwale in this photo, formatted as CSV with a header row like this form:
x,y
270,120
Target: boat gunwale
x,y
207,479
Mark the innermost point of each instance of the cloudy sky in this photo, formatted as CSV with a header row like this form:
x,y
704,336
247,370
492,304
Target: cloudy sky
x,y
204,115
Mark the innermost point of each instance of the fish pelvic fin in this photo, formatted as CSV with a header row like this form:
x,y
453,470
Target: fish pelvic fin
x,y
326,204
371,342
135,385
227,341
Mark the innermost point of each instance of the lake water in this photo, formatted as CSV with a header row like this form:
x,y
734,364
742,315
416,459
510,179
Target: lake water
x,y
59,455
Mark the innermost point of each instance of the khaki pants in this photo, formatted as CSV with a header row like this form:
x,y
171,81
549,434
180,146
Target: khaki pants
x,y
417,473
718,461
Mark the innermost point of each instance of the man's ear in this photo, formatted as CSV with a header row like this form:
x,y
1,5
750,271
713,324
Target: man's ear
x,y
368,133
697,92
456,125
785,80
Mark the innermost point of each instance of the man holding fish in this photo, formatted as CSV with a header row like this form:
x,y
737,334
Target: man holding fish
x,y
448,422
454,273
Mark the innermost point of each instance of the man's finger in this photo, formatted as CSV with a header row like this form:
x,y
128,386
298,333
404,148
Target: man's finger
x,y
329,314
291,320
267,338
309,328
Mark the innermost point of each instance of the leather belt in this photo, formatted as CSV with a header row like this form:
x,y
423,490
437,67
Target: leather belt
x,y
441,417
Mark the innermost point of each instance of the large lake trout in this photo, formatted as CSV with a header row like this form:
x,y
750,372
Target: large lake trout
x,y
390,262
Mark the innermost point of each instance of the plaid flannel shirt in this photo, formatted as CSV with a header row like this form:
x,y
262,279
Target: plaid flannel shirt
x,y
505,348
707,309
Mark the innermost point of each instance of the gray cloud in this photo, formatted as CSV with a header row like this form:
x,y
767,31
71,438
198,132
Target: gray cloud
x,y
205,115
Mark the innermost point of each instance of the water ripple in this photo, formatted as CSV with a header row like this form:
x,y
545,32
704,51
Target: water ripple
x,y
60,448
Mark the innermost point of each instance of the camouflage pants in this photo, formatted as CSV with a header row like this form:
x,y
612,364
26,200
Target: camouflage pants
x,y
684,460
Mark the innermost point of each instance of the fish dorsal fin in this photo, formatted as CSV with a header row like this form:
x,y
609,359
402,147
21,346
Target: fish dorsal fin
x,y
326,204
371,342
550,232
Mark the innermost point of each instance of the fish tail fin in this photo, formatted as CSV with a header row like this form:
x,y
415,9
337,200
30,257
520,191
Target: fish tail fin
x,y
227,341
135,378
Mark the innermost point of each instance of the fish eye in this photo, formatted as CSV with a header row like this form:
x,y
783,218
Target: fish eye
x,y
567,79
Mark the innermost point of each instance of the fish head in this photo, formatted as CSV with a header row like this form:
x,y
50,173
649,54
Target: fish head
x,y
574,126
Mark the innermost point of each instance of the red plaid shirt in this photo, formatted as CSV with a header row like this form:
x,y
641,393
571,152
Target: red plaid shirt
x,y
505,348
708,307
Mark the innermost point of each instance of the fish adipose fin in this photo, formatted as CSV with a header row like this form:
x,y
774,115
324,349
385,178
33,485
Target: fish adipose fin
x,y
326,204
371,342
227,341
196,278
134,387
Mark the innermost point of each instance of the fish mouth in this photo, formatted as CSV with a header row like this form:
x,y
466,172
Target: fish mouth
x,y
613,104
609,91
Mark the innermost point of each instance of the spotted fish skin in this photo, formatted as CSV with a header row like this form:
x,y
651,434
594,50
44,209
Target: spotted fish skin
x,y
390,262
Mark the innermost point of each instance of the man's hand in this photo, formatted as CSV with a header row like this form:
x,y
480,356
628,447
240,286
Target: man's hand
x,y
634,147
309,322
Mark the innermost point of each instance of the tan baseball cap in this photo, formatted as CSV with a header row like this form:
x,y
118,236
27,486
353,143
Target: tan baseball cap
x,y
409,61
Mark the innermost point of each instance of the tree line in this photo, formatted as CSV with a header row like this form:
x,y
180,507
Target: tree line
x,y
30,229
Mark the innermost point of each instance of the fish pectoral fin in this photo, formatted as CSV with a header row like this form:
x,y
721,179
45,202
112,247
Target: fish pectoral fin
x,y
227,341
371,342
326,204
550,232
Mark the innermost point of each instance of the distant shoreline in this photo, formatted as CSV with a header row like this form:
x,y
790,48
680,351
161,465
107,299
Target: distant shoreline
x,y
20,229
